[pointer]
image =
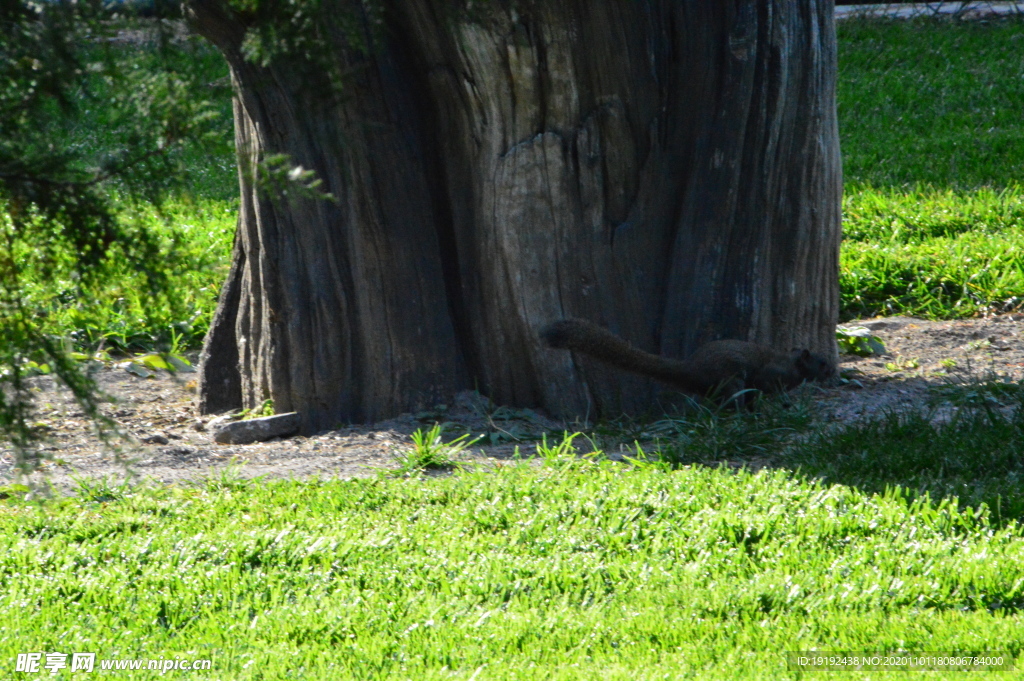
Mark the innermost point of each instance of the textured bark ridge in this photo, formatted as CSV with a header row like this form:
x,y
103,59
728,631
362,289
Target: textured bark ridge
x,y
669,170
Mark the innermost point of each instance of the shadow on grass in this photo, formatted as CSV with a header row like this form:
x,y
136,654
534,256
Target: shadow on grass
x,y
967,445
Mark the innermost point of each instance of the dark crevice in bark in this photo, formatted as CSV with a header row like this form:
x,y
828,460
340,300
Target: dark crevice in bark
x,y
535,34
440,198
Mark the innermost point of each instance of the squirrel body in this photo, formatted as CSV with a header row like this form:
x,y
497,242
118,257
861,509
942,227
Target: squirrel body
x,y
726,366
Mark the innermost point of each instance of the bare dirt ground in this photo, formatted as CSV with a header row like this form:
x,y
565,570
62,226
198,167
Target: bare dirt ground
x,y
171,444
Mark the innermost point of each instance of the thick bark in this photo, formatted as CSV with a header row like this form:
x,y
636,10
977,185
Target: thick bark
x,y
668,169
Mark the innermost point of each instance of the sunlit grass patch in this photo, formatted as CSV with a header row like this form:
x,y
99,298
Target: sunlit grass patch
x,y
573,569
932,253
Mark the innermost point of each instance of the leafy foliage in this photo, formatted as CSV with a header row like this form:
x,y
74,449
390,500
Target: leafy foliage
x,y
858,340
91,140
306,36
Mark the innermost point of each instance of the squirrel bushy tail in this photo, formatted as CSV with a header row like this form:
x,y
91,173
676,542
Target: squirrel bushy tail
x,y
595,341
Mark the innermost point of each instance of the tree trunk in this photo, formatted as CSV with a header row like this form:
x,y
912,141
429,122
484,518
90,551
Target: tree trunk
x,y
668,169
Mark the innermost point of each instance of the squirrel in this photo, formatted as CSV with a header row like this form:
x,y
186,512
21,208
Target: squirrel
x,y
721,367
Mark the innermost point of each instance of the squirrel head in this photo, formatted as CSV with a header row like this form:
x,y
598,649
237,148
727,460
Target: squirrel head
x,y
813,367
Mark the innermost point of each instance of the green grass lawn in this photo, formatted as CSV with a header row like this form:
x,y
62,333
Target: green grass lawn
x,y
933,158
568,570
932,102
932,253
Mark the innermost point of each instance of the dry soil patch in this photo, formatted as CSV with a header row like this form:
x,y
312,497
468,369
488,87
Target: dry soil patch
x,y
171,444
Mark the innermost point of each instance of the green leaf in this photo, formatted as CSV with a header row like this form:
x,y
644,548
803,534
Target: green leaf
x,y
36,369
857,340
154,361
